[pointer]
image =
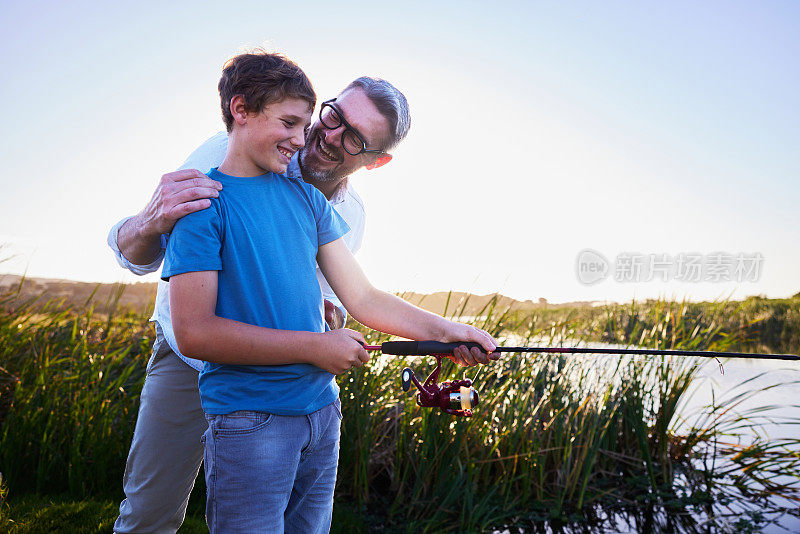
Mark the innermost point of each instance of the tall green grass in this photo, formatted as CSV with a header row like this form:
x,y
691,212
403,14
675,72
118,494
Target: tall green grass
x,y
554,438
69,388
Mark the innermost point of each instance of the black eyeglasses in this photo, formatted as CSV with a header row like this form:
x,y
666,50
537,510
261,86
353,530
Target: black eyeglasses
x,y
352,142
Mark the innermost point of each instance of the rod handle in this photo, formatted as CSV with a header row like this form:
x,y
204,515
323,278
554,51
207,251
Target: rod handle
x,y
423,348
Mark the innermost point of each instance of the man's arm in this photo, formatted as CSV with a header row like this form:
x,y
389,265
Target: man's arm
x,y
388,313
202,334
123,261
138,241
178,193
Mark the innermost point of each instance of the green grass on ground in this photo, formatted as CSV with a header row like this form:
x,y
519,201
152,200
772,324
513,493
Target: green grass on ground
x,y
32,514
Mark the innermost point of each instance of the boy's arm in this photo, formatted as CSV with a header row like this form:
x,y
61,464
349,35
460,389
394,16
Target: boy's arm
x,y
388,313
201,334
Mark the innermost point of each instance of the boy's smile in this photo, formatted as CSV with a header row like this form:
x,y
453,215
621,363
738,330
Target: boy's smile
x,y
287,153
266,141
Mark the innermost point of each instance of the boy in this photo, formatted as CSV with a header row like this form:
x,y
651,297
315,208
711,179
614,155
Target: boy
x,y
245,298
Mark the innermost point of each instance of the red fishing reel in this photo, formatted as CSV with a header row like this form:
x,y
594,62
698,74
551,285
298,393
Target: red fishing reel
x,y
457,397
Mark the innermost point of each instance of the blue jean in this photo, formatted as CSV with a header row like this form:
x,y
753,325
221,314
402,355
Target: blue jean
x,y
271,473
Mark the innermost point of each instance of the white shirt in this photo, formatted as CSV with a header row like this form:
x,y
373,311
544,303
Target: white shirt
x,y
209,155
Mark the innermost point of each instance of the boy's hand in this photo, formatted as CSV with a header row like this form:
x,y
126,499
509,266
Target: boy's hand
x,y
344,349
468,357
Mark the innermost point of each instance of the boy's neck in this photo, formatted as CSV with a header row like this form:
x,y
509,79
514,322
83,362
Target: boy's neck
x,y
237,162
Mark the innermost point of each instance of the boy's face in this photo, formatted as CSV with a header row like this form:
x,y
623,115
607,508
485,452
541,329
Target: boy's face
x,y
274,134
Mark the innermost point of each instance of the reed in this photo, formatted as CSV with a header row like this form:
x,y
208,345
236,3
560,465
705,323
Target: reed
x,y
556,438
68,396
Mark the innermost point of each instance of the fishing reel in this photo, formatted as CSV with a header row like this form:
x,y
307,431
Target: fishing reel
x,y
457,397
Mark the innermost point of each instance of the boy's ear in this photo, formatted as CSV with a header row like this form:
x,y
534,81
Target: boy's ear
x,y
238,110
380,162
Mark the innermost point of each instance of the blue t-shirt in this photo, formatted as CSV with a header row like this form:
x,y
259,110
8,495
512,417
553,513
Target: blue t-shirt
x,y
262,236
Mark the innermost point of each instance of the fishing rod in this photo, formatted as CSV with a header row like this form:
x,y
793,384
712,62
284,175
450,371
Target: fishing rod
x,y
459,397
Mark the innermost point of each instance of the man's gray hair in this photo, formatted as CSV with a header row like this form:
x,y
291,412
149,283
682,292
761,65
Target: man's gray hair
x,y
390,102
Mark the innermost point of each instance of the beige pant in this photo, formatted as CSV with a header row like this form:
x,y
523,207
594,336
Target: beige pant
x,y
166,451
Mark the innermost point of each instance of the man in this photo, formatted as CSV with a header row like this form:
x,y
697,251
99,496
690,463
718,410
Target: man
x,y
166,451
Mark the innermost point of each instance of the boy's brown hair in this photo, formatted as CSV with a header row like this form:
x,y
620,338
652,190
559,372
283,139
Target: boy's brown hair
x,y
262,78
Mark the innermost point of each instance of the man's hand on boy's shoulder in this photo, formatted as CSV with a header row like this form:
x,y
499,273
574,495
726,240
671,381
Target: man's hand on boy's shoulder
x,y
343,349
178,194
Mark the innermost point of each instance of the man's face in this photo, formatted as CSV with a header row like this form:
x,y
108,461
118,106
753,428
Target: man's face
x,y
274,134
324,159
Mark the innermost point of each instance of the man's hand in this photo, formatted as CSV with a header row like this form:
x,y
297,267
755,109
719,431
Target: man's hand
x,y
344,349
333,316
178,193
467,357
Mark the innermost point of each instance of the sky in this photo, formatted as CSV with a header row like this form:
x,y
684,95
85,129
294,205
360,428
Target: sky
x,y
546,138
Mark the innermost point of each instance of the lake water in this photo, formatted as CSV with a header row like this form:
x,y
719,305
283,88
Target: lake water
x,y
777,384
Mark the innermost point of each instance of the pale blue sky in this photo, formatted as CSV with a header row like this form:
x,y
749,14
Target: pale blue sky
x,y
539,129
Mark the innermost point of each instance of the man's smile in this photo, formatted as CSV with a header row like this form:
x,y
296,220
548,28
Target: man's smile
x,y
324,152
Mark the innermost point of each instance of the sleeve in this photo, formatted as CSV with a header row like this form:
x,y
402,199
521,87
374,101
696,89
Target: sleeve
x,y
356,221
208,155
123,261
352,209
352,212
357,229
330,225
195,243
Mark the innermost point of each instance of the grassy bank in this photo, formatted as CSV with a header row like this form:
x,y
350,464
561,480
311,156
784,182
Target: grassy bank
x,y
555,439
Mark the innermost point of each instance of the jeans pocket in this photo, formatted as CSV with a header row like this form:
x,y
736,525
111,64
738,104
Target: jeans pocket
x,y
337,405
238,423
